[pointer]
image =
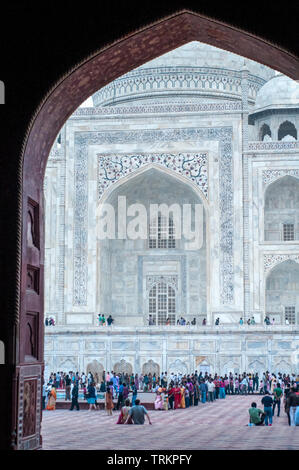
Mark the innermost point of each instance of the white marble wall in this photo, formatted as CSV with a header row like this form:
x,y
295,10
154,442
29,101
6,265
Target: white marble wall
x,y
74,343
175,349
85,313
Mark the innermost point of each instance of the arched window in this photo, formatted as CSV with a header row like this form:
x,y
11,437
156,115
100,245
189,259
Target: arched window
x,y
265,133
287,131
162,303
161,232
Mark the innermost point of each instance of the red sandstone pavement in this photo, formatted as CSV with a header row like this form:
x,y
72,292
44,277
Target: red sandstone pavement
x,y
219,425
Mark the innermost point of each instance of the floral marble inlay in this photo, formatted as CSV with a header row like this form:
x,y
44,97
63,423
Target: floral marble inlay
x,y
113,167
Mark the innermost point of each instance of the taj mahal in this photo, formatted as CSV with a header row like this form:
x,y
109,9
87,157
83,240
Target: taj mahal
x,y
196,126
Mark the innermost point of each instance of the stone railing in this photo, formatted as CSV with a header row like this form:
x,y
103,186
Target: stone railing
x,y
174,107
224,328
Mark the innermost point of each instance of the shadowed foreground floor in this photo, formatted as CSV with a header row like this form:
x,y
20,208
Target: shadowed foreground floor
x,y
209,426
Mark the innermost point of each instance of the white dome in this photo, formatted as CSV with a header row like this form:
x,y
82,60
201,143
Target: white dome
x,y
192,72
279,92
197,54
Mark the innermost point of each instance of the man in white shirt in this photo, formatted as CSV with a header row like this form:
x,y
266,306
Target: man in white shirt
x,y
83,379
211,388
244,384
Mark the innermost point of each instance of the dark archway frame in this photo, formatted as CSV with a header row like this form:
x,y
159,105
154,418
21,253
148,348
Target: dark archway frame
x,y
85,79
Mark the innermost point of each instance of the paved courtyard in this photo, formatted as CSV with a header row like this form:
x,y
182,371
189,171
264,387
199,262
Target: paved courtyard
x,y
218,425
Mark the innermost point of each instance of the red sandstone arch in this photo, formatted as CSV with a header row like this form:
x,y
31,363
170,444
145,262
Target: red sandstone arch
x,y
86,78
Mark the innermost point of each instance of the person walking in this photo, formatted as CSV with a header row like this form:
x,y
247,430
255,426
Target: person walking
x,y
120,396
211,388
222,388
75,393
203,391
196,393
138,413
293,403
277,392
67,388
170,393
91,396
177,396
267,401
287,405
44,395
109,405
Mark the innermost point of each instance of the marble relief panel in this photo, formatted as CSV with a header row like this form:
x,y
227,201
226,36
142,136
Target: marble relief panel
x,y
230,345
256,345
67,346
178,345
123,345
150,345
97,345
222,135
205,346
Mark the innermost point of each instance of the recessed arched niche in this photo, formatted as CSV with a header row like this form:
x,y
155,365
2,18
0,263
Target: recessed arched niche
x,y
281,216
282,293
130,269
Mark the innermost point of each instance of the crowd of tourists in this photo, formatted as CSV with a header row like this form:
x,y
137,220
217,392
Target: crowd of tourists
x,y
182,321
176,391
103,321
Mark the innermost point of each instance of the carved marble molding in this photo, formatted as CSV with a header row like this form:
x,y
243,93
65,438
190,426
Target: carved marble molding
x,y
271,260
151,82
152,280
271,175
191,107
111,168
226,227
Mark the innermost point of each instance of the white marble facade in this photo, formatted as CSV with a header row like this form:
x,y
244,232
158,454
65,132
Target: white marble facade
x,y
186,128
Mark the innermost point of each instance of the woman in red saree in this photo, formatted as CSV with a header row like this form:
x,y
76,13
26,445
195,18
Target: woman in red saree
x,y
51,405
124,413
177,397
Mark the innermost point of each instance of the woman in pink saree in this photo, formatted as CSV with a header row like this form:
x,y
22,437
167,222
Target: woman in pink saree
x,y
159,402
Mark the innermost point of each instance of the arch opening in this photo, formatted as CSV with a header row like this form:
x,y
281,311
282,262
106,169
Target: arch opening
x,y
282,293
281,210
62,101
287,131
